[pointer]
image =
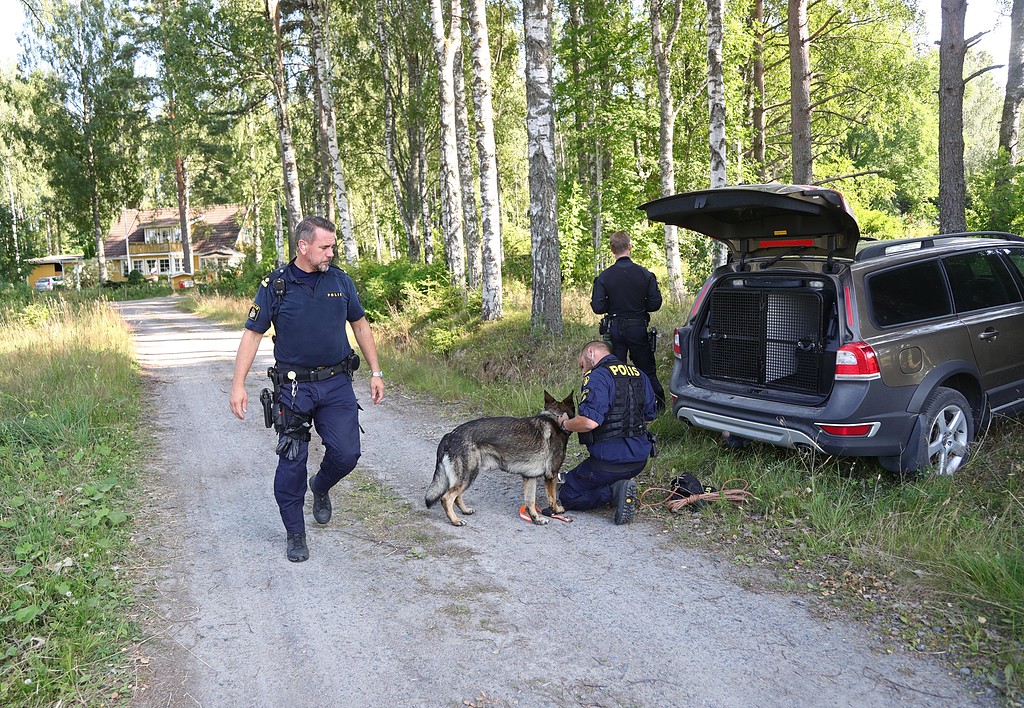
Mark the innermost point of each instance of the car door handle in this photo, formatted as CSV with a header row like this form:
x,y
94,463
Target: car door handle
x,y
988,334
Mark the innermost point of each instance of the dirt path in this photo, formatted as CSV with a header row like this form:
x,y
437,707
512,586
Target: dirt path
x,y
403,609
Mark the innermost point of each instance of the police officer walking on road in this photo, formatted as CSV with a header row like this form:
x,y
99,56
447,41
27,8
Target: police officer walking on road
x,y
309,301
626,293
616,404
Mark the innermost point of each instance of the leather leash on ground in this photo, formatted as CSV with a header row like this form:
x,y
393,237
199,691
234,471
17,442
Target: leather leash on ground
x,y
736,496
546,511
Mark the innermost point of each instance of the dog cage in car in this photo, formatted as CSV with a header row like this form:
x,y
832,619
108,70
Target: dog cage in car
x,y
769,333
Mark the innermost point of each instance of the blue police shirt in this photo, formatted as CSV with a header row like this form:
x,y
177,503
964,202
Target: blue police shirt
x,y
310,320
596,397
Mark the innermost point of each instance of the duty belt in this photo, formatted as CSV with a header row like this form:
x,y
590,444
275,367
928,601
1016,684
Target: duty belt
x,y
320,373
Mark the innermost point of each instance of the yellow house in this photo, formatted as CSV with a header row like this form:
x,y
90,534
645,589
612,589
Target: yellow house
x,y
149,241
63,265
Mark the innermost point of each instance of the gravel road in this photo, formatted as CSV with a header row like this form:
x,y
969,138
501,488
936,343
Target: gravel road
x,y
400,608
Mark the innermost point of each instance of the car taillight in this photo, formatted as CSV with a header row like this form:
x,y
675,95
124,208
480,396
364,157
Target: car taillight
x,y
675,344
856,430
857,361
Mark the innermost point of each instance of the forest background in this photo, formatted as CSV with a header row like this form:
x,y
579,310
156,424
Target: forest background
x,y
499,140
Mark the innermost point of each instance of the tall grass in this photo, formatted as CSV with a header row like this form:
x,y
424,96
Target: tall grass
x,y
68,407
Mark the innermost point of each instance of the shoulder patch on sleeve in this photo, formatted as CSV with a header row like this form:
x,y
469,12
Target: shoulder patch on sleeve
x,y
254,311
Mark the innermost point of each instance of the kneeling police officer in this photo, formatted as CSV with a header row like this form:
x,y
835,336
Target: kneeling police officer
x,y
309,301
617,403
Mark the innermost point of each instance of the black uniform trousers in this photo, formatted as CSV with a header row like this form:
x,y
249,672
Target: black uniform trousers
x,y
630,335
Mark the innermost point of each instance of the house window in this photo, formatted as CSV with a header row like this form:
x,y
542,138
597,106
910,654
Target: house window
x,y
151,265
179,264
165,265
163,235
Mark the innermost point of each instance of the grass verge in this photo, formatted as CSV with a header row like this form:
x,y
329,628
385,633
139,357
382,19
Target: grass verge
x,y
68,402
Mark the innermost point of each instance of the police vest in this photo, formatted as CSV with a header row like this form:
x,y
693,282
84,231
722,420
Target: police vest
x,y
626,417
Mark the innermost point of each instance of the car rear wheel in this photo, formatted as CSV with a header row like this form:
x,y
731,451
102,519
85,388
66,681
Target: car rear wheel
x,y
943,438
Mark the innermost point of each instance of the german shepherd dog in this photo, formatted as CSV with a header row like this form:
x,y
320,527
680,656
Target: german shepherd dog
x,y
531,447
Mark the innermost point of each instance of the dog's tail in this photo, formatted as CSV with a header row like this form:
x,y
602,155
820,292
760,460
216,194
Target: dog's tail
x,y
440,484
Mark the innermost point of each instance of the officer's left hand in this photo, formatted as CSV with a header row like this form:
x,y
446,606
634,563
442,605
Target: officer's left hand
x,y
376,389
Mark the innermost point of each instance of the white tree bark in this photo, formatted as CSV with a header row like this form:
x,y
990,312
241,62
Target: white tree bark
x,y
470,222
716,108
289,165
540,130
486,150
1009,126
661,47
451,213
800,90
317,14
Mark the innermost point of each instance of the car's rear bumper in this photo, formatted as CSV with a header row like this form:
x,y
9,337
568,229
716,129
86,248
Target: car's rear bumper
x,y
788,425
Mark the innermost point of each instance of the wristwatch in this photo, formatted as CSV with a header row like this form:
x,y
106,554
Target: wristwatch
x,y
378,374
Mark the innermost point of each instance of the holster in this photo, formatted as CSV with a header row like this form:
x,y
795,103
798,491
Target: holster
x,y
654,443
652,339
602,328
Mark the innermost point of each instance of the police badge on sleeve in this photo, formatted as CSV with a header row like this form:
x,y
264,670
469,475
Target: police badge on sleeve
x,y
254,311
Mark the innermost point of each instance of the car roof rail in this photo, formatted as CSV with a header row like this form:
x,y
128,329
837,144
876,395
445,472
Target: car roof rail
x,y
882,248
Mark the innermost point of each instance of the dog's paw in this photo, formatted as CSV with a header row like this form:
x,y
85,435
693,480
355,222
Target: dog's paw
x,y
539,520
458,522
467,510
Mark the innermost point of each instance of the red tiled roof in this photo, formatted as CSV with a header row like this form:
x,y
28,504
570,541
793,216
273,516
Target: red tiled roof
x,y
214,228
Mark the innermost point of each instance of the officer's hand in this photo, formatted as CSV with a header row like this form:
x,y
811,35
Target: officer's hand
x,y
239,402
376,389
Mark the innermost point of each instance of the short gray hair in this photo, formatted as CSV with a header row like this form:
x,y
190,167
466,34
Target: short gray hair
x,y
306,229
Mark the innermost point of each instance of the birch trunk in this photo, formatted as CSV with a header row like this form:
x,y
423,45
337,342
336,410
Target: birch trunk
x,y
759,94
289,166
800,93
403,198
540,130
317,12
470,222
446,47
1009,126
952,183
716,109
491,308
661,47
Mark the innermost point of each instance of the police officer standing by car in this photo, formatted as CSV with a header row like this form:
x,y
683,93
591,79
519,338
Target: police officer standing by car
x,y
309,301
616,404
625,293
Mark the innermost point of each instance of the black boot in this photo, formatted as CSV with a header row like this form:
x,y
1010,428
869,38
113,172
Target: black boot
x,y
624,498
321,504
297,551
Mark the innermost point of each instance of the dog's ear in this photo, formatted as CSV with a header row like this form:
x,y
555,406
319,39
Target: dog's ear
x,y
548,399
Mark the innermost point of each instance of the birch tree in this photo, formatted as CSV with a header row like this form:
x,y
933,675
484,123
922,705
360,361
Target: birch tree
x,y
446,47
1009,125
800,93
317,15
491,308
540,128
289,165
716,107
470,229
662,44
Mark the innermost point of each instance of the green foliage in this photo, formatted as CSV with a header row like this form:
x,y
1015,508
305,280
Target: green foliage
x,y
995,194
386,290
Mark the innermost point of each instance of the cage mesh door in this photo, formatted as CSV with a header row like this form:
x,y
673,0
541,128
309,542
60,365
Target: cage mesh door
x,y
766,338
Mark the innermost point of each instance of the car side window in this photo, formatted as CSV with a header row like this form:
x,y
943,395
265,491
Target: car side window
x,y
980,280
908,294
1016,256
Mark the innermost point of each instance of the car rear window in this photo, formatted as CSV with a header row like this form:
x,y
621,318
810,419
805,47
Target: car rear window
x,y
908,293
